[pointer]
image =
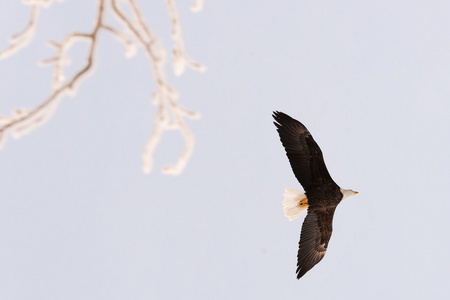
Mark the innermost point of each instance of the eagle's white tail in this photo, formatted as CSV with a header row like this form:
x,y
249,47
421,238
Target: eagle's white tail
x,y
291,204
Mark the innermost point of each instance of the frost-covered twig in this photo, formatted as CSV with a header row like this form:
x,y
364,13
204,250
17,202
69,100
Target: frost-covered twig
x,y
179,56
197,6
21,39
170,114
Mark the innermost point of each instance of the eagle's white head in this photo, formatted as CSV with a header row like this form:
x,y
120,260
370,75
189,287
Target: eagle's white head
x,y
347,193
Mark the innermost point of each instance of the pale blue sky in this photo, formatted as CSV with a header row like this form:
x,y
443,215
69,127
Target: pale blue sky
x,y
370,80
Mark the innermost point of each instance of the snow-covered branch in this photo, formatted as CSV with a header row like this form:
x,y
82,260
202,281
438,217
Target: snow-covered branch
x,y
136,34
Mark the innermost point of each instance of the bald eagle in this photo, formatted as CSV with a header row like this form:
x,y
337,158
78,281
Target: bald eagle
x,y
321,196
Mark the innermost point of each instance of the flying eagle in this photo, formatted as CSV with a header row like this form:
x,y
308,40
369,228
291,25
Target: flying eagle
x,y
321,195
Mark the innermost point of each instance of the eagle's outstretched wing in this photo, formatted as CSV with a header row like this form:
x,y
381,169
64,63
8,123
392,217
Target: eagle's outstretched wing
x,y
314,238
304,154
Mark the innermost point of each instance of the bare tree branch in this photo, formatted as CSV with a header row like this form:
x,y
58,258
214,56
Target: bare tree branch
x,y
170,114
